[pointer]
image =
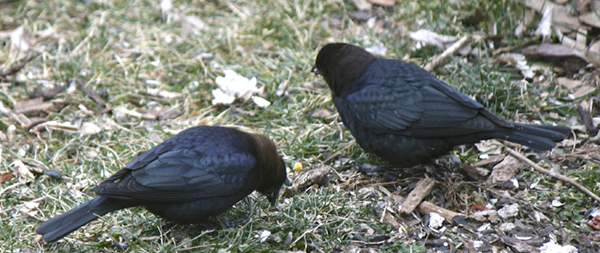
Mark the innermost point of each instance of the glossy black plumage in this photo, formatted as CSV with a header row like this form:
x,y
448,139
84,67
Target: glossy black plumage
x,y
407,116
198,173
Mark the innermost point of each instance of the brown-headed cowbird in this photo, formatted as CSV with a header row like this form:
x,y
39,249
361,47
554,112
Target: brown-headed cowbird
x,y
199,173
403,114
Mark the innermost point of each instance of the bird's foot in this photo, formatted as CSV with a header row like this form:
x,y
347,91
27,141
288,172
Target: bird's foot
x,y
378,170
234,222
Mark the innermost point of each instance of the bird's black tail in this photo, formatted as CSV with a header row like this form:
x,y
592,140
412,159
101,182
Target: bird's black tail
x,y
60,226
538,137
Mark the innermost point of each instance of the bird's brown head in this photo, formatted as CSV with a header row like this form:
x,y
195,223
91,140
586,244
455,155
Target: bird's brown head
x,y
274,174
341,65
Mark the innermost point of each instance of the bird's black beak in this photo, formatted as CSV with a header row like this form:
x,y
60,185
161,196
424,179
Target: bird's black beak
x,y
287,182
315,70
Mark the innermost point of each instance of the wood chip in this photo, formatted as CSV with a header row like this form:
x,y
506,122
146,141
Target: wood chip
x,y
417,195
427,207
505,170
390,220
519,246
584,90
590,18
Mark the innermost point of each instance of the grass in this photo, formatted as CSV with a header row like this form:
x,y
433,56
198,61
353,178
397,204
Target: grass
x,y
129,48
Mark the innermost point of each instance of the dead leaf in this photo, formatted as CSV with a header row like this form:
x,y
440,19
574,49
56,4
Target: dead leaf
x,y
307,177
489,146
29,208
517,61
477,17
21,171
191,25
20,39
322,113
89,128
5,175
569,83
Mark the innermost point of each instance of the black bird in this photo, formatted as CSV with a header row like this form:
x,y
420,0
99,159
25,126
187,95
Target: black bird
x,y
403,114
199,173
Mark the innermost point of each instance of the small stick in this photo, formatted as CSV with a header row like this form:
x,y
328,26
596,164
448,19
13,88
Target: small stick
x,y
508,49
427,207
443,58
334,155
92,94
416,196
553,174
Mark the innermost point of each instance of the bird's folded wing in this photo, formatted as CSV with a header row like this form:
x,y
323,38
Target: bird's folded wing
x,y
416,107
183,175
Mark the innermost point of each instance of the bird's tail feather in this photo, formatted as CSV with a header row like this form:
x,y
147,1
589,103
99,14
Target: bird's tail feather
x,y
60,226
538,137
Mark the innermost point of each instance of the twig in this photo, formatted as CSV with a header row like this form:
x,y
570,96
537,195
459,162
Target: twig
x,y
339,151
91,93
443,58
553,174
416,196
14,69
508,49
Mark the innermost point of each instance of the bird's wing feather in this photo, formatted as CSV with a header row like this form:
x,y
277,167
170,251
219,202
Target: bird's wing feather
x,y
182,175
403,99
